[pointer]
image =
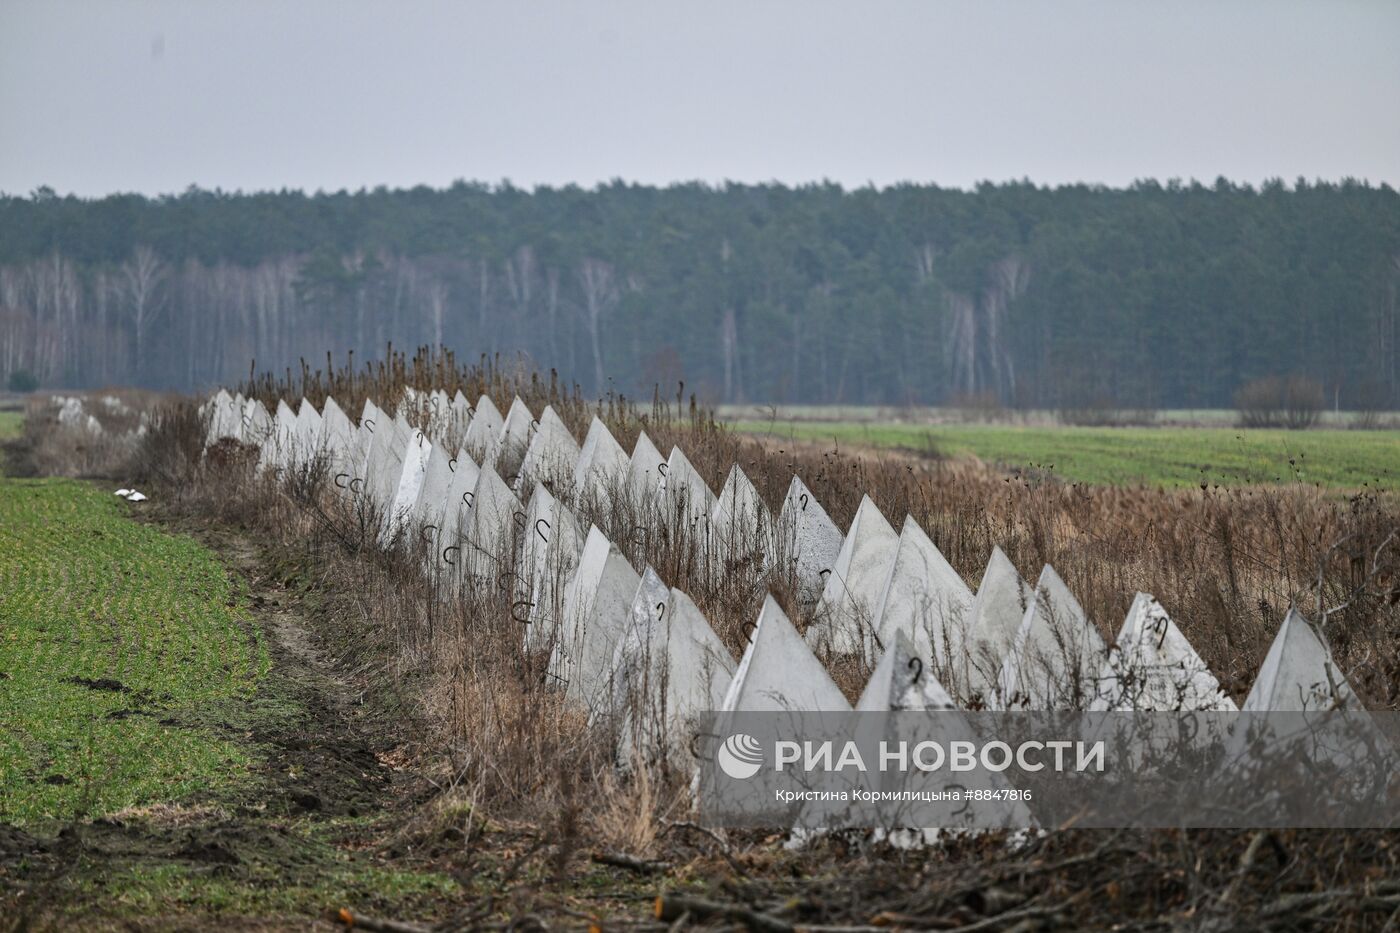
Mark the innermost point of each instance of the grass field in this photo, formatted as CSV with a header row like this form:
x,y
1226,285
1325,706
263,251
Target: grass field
x,y
10,422
1170,457
113,631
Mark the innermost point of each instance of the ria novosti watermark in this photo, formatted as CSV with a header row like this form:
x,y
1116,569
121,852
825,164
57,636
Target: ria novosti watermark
x,y
1014,770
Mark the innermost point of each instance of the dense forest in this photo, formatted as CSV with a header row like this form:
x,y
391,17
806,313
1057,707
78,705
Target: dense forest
x,y
1160,295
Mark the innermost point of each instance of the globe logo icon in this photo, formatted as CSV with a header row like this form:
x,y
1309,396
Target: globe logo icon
x,y
740,756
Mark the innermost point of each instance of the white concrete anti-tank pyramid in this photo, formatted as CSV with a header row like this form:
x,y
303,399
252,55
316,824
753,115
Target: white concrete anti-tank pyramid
x,y
902,680
412,472
457,503
338,435
357,465
811,539
597,613
1056,657
225,419
1299,673
384,466
310,440
644,470
779,672
275,451
484,431
923,597
997,610
516,432
851,597
550,552
602,466
677,671
741,522
487,530
431,504
552,455
1152,667
683,496
256,423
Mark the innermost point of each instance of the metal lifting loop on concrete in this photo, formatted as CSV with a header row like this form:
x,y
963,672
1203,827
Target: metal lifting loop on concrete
x,y
338,483
545,522
694,752
516,605
370,423
353,487
452,465
916,665
427,528
448,550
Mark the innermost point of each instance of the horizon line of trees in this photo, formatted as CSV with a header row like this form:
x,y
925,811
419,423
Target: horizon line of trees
x,y
1151,296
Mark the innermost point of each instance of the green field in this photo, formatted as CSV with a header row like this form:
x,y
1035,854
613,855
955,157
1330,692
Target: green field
x,y
10,422
113,634
1170,457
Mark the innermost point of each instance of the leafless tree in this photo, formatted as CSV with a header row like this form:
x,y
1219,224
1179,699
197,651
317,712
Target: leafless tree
x,y
142,277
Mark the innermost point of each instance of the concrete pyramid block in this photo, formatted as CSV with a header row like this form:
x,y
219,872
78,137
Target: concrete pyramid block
x,y
1056,657
223,418
549,556
412,472
997,610
809,538
483,435
552,454
924,598
845,615
1152,667
779,672
601,468
678,670
256,423
1299,673
515,434
644,472
371,418
597,614
741,523
439,411
384,466
902,680
275,452
309,430
683,497
431,503
456,507
339,437
488,534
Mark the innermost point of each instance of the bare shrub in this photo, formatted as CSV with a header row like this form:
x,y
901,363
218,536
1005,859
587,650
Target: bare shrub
x,y
1294,402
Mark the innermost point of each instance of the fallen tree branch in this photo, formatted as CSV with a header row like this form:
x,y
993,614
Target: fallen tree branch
x,y
630,862
671,907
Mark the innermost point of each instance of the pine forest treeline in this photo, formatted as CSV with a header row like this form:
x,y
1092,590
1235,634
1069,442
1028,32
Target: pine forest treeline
x,y
1154,296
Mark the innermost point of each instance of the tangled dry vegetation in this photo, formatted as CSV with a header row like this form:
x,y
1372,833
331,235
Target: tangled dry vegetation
x,y
1225,563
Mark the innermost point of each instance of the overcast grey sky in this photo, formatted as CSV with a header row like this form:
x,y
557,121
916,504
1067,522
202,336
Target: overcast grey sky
x,y
153,96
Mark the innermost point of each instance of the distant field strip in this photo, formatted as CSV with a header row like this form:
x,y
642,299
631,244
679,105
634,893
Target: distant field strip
x,y
1153,456
112,633
10,423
